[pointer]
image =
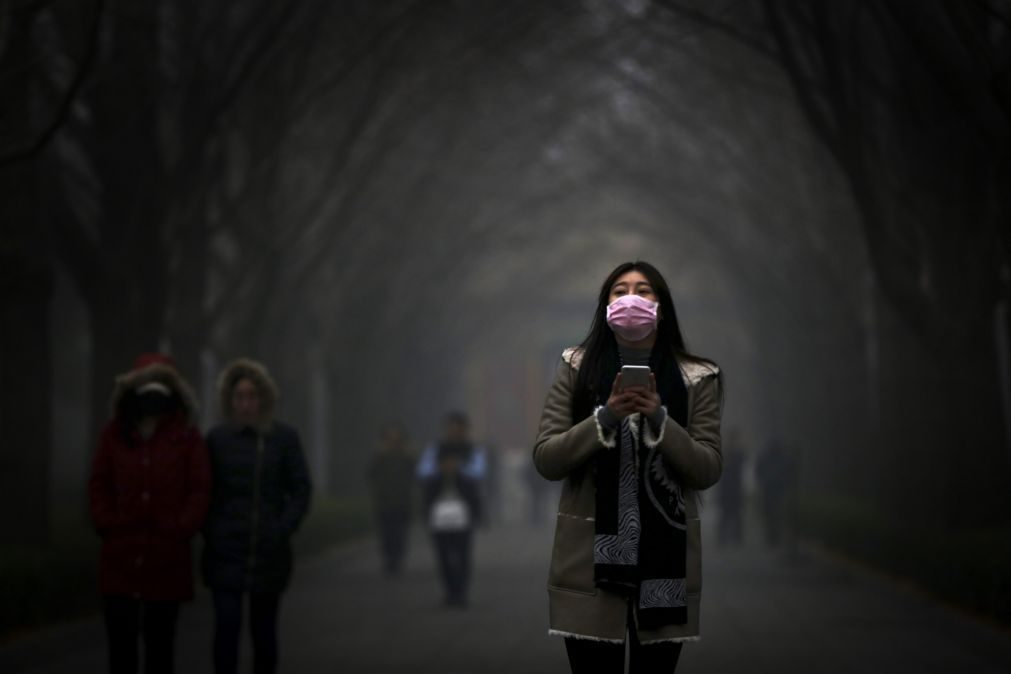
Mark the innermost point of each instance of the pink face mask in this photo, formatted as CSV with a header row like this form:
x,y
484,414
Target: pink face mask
x,y
632,318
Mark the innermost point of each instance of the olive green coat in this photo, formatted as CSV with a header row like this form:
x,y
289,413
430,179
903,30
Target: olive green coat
x,y
562,452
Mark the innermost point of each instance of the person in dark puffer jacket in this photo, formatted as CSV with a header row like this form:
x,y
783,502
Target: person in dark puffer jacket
x,y
261,493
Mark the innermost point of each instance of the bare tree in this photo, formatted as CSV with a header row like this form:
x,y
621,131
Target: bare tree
x,y
26,278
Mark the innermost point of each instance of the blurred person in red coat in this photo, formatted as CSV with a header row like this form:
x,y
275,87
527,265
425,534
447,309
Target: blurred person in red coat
x,y
148,492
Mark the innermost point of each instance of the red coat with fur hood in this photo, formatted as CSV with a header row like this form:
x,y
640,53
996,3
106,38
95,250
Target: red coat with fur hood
x,y
149,497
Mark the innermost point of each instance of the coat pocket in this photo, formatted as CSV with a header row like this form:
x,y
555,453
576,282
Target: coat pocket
x,y
572,555
693,556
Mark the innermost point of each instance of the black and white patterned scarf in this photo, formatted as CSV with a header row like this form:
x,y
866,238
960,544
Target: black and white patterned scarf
x,y
640,539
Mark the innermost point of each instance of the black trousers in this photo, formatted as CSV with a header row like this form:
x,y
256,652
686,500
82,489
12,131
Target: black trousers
x,y
453,551
129,620
586,655
730,530
263,611
393,528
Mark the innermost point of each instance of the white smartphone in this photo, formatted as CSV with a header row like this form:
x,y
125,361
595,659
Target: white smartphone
x,y
635,375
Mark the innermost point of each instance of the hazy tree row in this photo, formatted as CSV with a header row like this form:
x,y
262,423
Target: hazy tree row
x,y
383,199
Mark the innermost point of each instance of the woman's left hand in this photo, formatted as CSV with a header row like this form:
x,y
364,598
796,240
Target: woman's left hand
x,y
647,400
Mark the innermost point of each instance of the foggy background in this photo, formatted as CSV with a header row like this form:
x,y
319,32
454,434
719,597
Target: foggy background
x,y
408,207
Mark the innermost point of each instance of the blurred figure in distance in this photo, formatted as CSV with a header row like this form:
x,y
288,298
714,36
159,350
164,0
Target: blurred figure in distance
x,y
452,501
391,479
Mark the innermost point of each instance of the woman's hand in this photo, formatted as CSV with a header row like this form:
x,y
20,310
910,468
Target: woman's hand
x,y
625,401
648,401
621,402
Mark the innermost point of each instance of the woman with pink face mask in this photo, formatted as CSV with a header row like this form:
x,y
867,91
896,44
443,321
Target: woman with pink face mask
x,y
626,563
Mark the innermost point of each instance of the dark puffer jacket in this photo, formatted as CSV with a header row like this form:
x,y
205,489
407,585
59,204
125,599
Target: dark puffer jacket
x,y
260,495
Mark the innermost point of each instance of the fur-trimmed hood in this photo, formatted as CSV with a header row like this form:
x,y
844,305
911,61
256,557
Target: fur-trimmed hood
x,y
161,372
247,368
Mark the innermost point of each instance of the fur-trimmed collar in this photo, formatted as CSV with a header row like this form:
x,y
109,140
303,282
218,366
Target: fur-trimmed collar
x,y
695,371
256,372
159,372
573,356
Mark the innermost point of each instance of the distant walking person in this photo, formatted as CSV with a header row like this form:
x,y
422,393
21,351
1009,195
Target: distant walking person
x,y
452,502
776,474
731,491
491,494
627,553
391,478
148,493
261,493
455,433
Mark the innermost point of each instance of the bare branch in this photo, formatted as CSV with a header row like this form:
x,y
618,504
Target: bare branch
x,y
32,148
710,20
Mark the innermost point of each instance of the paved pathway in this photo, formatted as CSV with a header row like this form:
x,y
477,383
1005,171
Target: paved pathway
x,y
762,614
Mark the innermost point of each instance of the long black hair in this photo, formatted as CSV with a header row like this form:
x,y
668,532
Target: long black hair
x,y
600,349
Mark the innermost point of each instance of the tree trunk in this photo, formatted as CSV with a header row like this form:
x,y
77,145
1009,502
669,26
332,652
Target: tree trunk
x,y
1002,343
978,465
187,321
26,280
25,397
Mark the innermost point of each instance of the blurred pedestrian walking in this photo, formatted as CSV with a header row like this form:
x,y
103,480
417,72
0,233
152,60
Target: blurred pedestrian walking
x,y
627,557
455,433
491,492
776,474
148,494
391,479
452,501
730,493
261,493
